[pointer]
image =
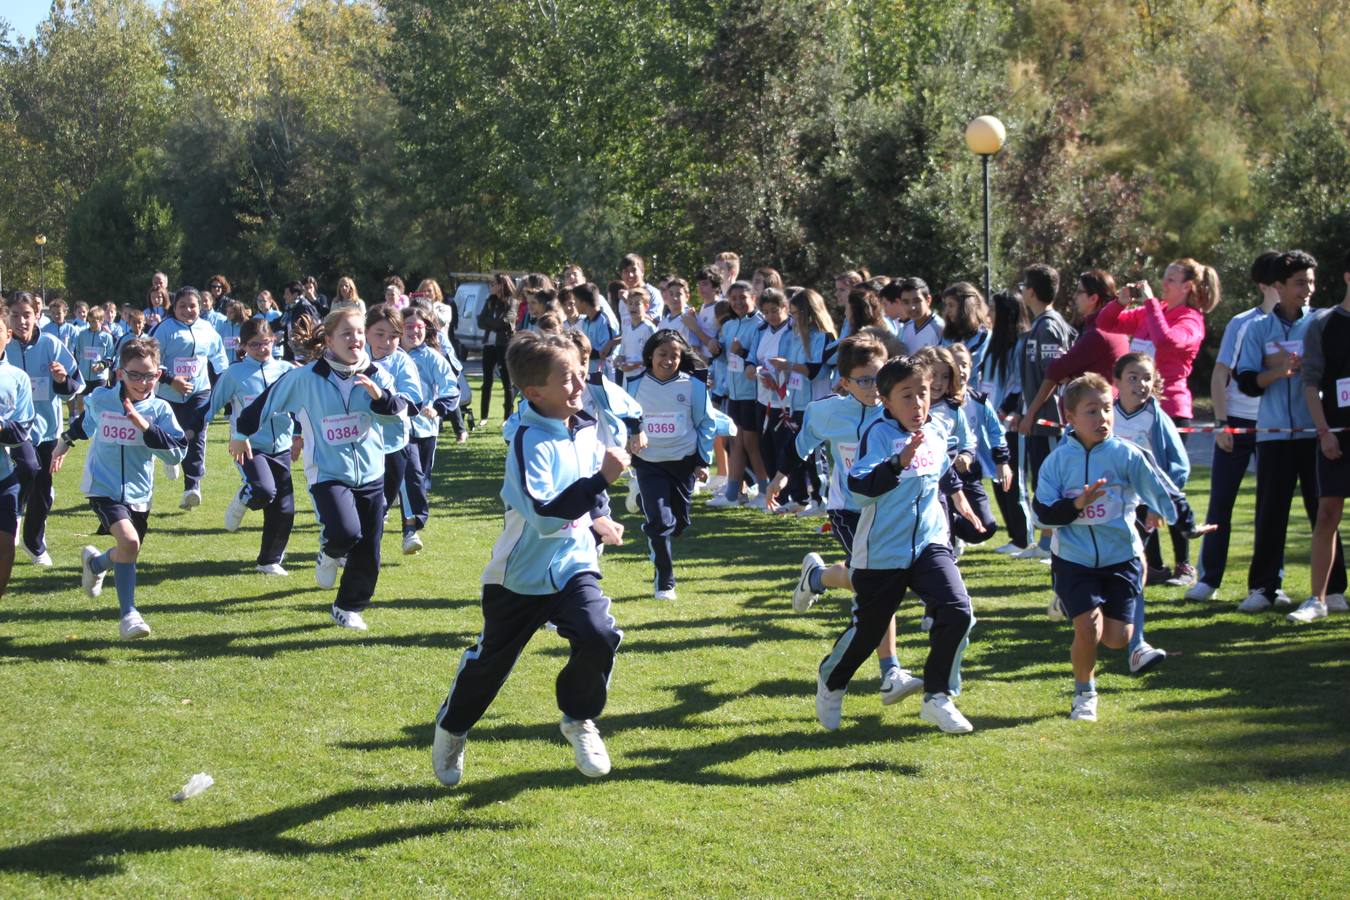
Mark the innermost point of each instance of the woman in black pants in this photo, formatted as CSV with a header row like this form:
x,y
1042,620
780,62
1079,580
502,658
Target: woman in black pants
x,y
498,322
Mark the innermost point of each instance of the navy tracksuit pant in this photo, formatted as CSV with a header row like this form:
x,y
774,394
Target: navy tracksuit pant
x,y
666,489
972,485
934,577
351,520
1278,465
191,416
1226,474
267,487
33,465
581,613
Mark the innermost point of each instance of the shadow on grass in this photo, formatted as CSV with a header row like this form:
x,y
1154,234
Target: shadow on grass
x,y
94,854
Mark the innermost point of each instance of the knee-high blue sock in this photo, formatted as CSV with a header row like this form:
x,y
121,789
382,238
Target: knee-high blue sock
x,y
1138,637
101,563
124,574
888,663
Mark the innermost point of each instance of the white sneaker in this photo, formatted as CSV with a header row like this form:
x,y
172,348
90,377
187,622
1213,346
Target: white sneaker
x,y
1310,611
325,570
133,627
173,472
1282,599
447,751
813,510
958,547
191,499
1145,657
1055,611
270,569
790,508
897,684
412,543
939,710
829,705
1336,603
43,559
803,598
1084,707
1033,551
1009,548
632,502
1201,591
720,501
668,594
752,492
349,619
587,747
1256,601
717,484
759,502
234,513
92,583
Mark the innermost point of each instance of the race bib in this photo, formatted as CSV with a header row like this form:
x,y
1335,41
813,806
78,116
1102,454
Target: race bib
x,y
186,367
797,381
42,388
848,455
345,429
571,530
663,425
91,354
232,343
1139,345
735,363
1103,511
927,459
1343,392
1295,347
117,429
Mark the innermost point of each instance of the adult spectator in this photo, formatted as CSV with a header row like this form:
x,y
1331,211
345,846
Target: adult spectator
x,y
297,308
497,321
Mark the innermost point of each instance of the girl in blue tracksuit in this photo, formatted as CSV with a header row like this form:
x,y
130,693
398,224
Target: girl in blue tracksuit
x,y
736,340
948,407
264,459
192,356
402,465
802,358
52,375
127,428
342,402
16,421
230,327
1087,489
440,396
94,355
674,447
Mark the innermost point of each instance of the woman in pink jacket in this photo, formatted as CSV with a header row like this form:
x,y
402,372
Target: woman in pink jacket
x,y
1171,330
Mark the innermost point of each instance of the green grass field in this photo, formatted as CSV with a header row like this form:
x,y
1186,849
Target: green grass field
x,y
1223,774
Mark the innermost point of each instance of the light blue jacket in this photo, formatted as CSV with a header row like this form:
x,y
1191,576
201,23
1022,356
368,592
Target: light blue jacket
x,y
1103,534
120,464
35,359
901,511
960,436
991,441
815,385
440,389
91,347
229,338
599,331
677,416
400,367
188,350
838,422
746,330
553,490
617,415
244,382
341,424
978,345
1282,403
1163,442
17,415
65,333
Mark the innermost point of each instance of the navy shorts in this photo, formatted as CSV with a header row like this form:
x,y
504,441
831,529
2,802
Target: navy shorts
x,y
747,414
9,503
843,525
111,511
1112,589
1333,475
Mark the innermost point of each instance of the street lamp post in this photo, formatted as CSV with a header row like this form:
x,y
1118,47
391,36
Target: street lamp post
x,y
985,136
41,241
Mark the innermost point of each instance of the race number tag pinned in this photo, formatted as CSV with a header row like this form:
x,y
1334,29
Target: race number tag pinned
x,y
186,367
848,455
735,364
1343,392
1139,345
42,388
797,381
346,429
663,425
117,429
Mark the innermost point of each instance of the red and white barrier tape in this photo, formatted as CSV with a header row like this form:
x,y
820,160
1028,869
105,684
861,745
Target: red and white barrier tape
x,y
1213,429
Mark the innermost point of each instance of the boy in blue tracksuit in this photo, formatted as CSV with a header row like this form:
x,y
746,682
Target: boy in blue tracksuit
x,y
544,566
193,356
127,428
440,393
1268,366
16,422
53,376
737,339
838,423
93,354
1089,485
678,423
264,459
902,542
343,403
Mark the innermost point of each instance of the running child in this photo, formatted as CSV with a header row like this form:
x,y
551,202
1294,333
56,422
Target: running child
x,y
230,327
838,423
639,328
1088,485
544,566
440,396
52,375
774,409
264,459
17,418
127,428
902,542
192,353
992,456
384,332
804,349
947,399
599,331
94,355
677,418
342,401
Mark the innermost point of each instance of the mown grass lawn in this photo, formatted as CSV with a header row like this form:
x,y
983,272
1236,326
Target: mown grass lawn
x,y
1225,773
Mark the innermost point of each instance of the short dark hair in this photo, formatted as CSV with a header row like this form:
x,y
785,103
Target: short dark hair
x,y
585,293
1263,267
186,291
856,351
898,369
709,274
139,348
1044,280
1291,262
918,285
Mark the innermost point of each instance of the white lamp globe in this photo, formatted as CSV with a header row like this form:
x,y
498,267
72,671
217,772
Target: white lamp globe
x,y
985,135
